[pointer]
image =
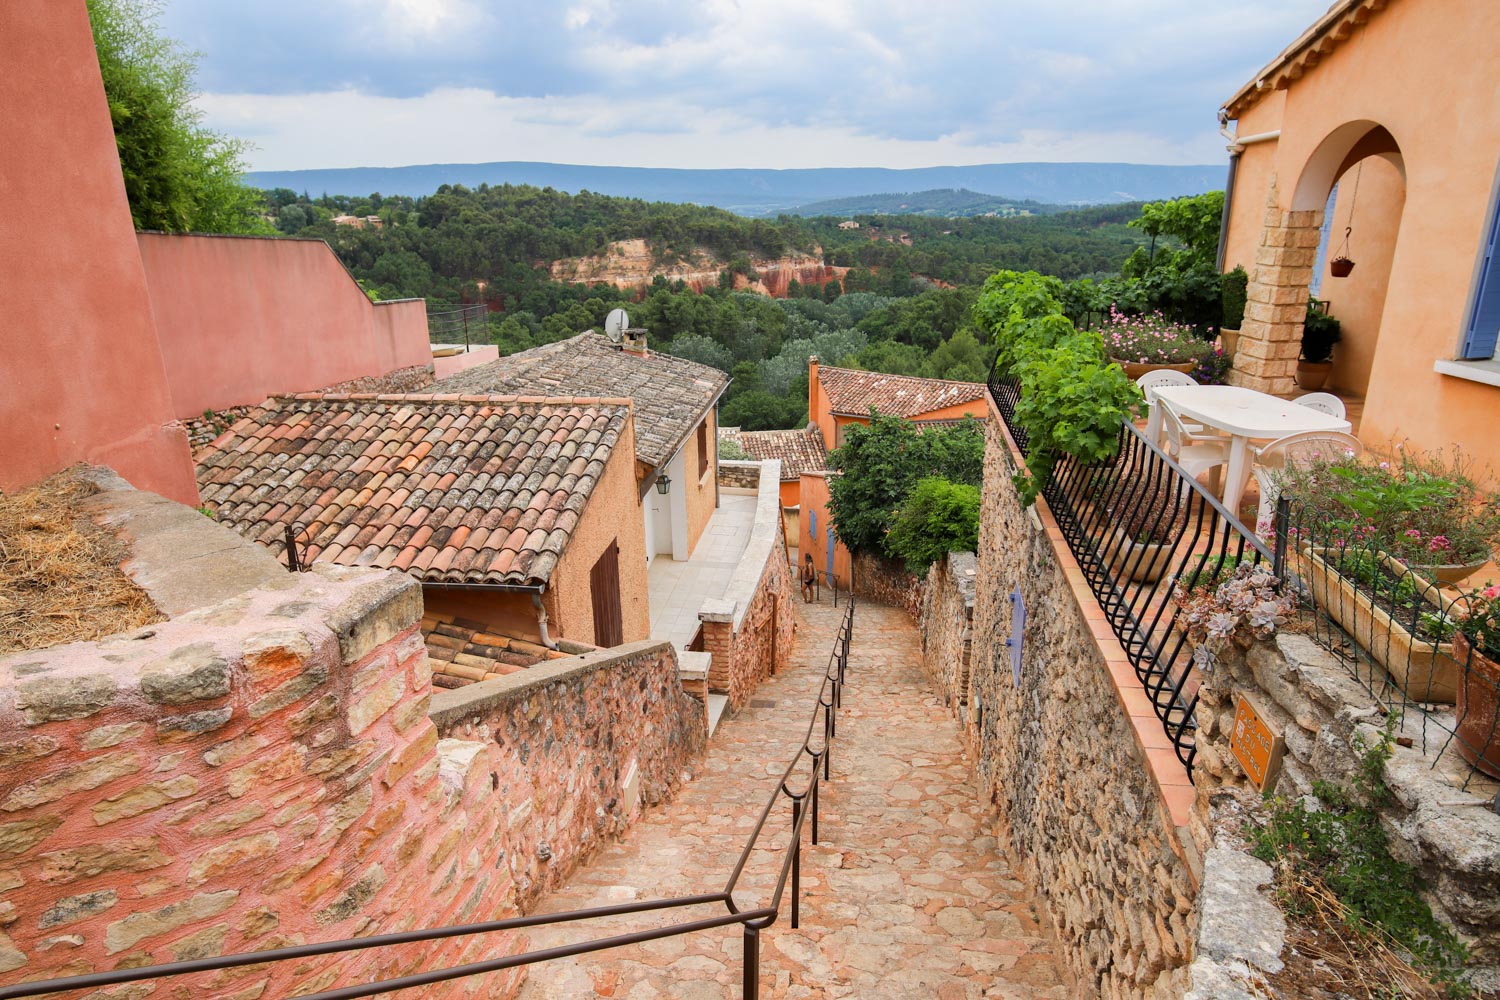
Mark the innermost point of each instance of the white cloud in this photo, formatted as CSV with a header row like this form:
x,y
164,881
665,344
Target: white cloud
x,y
348,128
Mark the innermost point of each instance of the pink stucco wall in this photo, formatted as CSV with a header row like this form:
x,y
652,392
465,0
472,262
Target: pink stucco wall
x,y
455,363
241,318
81,375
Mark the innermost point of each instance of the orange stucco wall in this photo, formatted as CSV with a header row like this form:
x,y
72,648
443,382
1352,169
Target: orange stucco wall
x,y
1358,300
791,492
815,500
818,412
81,375
1426,72
702,494
612,514
242,318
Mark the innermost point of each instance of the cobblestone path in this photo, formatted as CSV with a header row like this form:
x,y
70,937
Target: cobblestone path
x,y
905,897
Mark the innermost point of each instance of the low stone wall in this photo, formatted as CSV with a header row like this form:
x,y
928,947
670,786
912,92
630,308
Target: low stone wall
x,y
1450,836
738,474
1065,753
886,582
947,626
566,754
412,379
261,770
748,631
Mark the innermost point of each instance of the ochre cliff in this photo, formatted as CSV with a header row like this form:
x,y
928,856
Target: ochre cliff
x,y
629,264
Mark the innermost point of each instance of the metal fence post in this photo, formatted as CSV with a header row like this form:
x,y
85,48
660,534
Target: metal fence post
x,y
751,980
1278,556
797,860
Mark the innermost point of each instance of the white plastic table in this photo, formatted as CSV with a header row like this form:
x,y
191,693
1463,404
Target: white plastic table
x,y
1245,415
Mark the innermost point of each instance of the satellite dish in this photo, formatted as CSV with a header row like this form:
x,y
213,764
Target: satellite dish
x,y
615,324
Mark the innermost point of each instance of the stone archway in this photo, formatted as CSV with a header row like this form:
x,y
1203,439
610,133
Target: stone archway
x,y
1277,295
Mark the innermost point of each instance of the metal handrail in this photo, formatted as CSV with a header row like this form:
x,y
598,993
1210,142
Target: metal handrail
x,y
1200,532
754,920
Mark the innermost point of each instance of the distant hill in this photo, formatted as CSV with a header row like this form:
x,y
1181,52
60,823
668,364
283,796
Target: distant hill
x,y
946,203
768,192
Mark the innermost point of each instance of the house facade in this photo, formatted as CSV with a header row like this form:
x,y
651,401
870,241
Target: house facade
x,y
676,426
516,515
1376,135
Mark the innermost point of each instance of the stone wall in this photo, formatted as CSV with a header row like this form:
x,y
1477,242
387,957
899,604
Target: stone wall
x,y
1304,693
1069,768
261,770
739,474
887,582
748,632
568,753
946,625
412,379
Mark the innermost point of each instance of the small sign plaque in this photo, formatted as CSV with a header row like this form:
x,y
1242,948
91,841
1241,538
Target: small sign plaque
x,y
1256,746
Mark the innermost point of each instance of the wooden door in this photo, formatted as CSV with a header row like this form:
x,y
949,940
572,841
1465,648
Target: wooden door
x,y
604,588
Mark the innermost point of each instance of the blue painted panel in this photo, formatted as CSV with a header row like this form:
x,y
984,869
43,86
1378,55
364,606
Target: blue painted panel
x,y
1017,639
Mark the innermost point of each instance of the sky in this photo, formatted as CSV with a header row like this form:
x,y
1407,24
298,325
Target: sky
x,y
727,83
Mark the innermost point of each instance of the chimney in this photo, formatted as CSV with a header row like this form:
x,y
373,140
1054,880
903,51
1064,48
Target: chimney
x,y
812,370
634,341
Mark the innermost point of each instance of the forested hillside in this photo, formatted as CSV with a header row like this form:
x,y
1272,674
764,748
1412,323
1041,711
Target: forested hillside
x,y
902,306
948,203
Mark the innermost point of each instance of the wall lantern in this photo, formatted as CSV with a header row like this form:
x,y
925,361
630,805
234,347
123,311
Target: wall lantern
x,y
663,484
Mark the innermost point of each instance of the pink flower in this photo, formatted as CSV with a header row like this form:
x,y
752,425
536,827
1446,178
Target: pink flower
x,y
1492,591
1413,533
1439,543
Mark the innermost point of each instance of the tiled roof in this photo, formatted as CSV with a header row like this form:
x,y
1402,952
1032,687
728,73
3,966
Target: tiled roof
x,y
451,489
854,392
1340,23
671,394
799,450
463,651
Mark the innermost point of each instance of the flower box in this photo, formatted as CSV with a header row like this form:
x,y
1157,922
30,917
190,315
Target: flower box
x,y
1134,369
1424,671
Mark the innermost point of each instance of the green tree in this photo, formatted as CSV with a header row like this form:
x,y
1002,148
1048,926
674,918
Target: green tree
x,y
179,176
936,518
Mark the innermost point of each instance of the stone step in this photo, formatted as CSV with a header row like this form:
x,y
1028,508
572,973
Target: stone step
x,y
717,703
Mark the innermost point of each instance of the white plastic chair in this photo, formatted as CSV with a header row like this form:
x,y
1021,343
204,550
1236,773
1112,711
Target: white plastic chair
x,y
1196,455
1300,447
1323,402
1149,383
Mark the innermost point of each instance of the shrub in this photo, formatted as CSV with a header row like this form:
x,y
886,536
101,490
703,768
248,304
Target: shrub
x,y
937,517
1233,297
1151,338
1320,332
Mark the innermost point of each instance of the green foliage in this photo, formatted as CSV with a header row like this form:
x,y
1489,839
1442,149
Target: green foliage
x,y
179,176
703,350
1193,221
1073,400
730,450
881,463
936,518
1232,297
1320,332
1342,843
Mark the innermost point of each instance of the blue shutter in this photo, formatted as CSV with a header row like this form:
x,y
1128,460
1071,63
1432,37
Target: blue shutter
x,y
1484,321
812,524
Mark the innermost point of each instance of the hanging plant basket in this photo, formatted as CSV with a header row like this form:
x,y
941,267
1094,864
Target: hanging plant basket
x,y
1340,267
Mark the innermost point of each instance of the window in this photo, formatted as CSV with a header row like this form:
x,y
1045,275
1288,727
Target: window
x,y
1484,316
703,449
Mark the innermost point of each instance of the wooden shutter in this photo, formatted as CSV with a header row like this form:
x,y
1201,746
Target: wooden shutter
x,y
1484,321
604,588
703,449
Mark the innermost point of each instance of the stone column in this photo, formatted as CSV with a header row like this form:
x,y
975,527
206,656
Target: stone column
x,y
1276,299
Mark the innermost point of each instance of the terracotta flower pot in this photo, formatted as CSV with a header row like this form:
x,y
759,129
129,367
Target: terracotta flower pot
x,y
1340,267
1146,561
1312,374
1450,574
1229,340
1478,734
1134,369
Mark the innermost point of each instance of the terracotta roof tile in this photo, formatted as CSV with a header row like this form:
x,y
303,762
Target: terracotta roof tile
x,y
799,450
312,460
854,393
671,395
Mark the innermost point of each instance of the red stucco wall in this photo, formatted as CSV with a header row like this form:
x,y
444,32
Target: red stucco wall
x,y
81,375
241,318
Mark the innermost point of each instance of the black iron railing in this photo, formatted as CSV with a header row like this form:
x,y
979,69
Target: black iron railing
x,y
1397,632
815,755
1139,527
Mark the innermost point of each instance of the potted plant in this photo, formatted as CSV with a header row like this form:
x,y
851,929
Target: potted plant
x,y
1150,342
1145,515
1233,296
1478,644
1320,332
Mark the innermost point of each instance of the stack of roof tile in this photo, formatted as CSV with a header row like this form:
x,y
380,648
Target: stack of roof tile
x,y
463,651
451,489
854,393
671,395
